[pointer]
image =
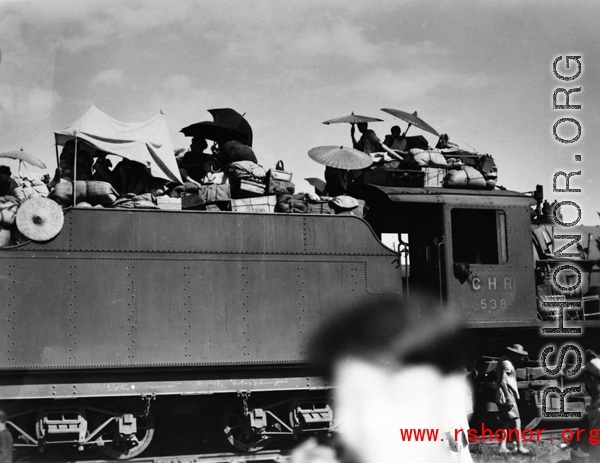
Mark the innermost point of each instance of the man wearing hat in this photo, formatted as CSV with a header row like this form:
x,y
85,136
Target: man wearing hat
x,y
507,394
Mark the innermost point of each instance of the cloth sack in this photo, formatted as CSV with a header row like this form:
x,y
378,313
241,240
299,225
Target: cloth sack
x,y
233,151
246,170
291,203
92,191
280,187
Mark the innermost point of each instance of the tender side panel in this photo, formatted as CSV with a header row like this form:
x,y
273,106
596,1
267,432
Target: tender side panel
x,y
98,310
114,230
65,312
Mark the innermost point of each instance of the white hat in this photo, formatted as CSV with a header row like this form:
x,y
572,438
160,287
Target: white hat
x,y
344,202
517,349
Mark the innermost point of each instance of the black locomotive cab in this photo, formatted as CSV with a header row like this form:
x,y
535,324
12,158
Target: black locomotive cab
x,y
470,250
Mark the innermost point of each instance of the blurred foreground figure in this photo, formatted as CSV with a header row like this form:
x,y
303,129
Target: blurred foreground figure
x,y
397,369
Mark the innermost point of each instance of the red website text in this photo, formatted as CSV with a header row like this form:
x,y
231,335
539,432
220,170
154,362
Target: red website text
x,y
485,434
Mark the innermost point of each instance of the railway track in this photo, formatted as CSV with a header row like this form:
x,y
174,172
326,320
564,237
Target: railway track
x,y
270,456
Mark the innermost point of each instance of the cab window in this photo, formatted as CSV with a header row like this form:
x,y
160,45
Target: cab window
x,y
479,236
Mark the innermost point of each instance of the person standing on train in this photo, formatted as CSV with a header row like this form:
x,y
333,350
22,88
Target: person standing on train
x,y
507,394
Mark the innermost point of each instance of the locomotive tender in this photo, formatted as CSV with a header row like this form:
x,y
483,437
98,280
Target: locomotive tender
x,y
129,318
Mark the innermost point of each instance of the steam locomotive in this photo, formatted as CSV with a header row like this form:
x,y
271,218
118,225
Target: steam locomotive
x,y
131,321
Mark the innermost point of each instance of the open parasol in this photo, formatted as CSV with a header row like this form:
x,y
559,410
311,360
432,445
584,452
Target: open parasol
x,y
412,119
23,156
352,119
340,157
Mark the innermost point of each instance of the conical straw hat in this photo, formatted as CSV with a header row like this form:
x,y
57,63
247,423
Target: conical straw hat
x,y
39,219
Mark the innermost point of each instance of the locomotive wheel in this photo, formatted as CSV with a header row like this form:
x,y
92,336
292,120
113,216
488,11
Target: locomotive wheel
x,y
237,431
123,447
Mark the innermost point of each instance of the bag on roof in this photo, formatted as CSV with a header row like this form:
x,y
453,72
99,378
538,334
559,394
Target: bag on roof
x,y
246,170
279,187
234,151
279,173
291,203
475,178
92,191
427,158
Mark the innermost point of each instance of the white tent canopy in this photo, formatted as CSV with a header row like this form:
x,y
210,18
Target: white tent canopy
x,y
148,142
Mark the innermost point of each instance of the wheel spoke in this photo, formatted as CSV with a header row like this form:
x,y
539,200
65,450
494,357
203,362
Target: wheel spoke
x,y
237,431
123,447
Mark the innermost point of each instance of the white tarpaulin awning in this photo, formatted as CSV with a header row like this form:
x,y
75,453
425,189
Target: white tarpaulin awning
x,y
148,142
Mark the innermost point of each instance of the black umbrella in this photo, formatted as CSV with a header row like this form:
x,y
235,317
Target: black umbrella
x,y
228,125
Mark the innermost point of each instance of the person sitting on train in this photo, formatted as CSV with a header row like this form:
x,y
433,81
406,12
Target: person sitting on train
x,y
68,168
131,177
7,183
338,181
395,140
196,162
102,169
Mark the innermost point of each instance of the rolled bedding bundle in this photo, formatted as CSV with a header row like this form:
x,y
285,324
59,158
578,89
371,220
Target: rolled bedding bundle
x,y
93,192
467,177
292,203
427,158
246,170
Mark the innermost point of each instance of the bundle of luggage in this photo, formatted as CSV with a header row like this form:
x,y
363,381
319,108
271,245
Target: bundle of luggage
x,y
90,192
304,203
448,168
477,172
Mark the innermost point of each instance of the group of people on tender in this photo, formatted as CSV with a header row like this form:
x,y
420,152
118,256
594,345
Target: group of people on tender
x,y
196,167
76,162
464,169
199,168
395,147
82,161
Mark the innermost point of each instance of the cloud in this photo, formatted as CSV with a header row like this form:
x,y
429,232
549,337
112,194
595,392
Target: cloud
x,y
25,106
341,38
107,78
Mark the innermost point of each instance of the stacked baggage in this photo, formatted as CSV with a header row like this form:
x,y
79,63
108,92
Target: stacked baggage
x,y
448,168
471,171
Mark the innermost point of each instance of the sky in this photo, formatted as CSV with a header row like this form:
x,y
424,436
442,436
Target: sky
x,y
480,71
